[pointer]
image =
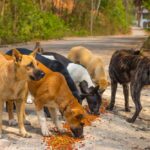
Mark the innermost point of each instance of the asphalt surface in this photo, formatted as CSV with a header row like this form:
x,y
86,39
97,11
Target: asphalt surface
x,y
104,43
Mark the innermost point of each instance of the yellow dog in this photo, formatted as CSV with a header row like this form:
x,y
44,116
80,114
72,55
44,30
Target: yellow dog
x,y
13,78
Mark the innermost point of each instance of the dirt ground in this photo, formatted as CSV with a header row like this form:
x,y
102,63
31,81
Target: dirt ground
x,y
110,131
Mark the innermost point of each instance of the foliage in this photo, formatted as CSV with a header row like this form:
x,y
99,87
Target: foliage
x,y
27,20
111,18
146,4
23,21
116,16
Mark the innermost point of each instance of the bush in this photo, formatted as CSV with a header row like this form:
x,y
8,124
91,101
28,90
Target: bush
x,y
112,17
27,22
24,21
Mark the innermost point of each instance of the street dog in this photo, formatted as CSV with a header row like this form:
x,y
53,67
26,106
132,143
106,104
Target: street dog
x,y
53,92
13,78
57,67
81,77
93,63
129,66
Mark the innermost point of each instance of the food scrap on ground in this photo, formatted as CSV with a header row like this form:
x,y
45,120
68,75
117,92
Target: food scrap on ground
x,y
66,141
61,141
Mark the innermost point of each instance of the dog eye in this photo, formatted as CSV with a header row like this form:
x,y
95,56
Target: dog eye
x,y
30,65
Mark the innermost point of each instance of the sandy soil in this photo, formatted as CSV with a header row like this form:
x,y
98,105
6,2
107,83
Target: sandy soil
x,y
110,131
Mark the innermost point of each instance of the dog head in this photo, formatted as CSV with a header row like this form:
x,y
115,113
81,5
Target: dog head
x,y
28,64
93,97
103,84
75,117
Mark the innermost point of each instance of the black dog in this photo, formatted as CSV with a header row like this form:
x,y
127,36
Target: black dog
x,y
128,66
92,94
94,99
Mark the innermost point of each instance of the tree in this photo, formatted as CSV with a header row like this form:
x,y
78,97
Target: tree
x,y
2,7
139,4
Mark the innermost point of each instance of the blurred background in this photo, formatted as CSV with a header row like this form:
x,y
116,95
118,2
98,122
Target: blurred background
x,y
30,20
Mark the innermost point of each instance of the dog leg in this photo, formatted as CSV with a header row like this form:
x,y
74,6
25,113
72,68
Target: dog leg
x,y
10,106
20,113
126,96
26,122
1,114
135,93
113,95
46,110
55,119
43,124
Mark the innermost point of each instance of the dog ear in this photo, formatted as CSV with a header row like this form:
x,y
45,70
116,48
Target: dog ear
x,y
138,52
96,88
16,55
34,52
40,49
101,91
93,90
84,87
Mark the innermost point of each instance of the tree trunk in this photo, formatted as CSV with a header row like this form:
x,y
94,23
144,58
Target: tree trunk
x,y
92,17
139,15
2,7
41,4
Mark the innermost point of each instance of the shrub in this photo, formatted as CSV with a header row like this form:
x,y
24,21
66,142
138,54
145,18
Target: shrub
x,y
27,22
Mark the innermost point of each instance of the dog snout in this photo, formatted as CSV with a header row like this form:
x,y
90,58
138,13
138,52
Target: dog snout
x,y
77,132
38,74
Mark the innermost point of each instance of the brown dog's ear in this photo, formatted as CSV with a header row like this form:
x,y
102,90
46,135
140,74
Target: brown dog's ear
x,y
34,52
79,116
16,55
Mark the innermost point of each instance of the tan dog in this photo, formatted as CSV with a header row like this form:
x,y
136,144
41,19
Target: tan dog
x,y
93,64
13,78
52,91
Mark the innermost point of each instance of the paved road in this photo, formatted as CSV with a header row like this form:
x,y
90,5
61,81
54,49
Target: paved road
x,y
93,43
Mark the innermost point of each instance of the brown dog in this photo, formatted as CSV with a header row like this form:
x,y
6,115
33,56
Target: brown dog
x,y
52,91
13,78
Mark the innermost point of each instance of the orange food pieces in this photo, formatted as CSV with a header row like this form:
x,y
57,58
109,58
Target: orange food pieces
x,y
61,141
65,141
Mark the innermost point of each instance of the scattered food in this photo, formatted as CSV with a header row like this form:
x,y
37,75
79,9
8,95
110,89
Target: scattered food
x,y
65,141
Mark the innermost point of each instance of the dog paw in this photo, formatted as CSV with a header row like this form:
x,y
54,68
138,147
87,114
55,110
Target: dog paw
x,y
130,120
26,122
12,122
61,129
26,135
46,132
